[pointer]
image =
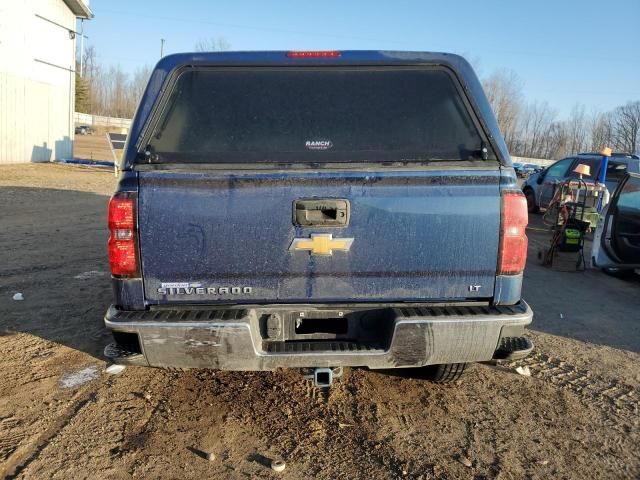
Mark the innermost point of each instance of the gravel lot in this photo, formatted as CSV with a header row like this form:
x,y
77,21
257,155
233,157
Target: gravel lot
x,y
62,416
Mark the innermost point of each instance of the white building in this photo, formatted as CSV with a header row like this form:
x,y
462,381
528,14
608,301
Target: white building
x,y
37,78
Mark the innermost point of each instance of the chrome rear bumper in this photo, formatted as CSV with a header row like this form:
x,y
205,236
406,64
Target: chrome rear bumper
x,y
234,338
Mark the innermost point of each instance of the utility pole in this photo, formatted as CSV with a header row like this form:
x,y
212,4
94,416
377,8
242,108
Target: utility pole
x,y
81,47
161,47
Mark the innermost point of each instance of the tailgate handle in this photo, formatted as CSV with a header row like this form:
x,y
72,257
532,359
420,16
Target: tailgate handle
x,y
317,212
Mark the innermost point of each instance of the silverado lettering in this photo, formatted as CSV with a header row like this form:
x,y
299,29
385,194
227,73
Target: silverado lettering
x,y
204,291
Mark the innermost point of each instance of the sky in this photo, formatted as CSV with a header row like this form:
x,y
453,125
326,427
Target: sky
x,y
565,52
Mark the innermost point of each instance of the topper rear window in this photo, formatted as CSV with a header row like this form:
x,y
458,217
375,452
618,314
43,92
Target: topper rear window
x,y
290,115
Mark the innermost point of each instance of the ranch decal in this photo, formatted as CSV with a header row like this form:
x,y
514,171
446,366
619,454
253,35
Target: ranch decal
x,y
318,144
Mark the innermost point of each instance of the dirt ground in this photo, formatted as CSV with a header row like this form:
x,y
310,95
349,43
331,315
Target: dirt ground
x,y
62,416
94,146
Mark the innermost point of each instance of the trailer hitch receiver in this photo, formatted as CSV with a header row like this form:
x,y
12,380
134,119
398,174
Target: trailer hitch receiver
x,y
323,377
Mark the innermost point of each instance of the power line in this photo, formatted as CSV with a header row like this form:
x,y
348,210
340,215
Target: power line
x,y
244,27
440,48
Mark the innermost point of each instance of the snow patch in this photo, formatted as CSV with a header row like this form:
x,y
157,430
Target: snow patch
x,y
89,274
73,379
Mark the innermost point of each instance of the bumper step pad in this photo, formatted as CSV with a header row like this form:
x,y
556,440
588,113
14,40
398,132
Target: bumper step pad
x,y
513,348
325,347
121,356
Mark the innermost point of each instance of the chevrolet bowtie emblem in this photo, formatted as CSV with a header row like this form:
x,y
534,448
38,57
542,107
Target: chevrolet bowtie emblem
x,y
321,244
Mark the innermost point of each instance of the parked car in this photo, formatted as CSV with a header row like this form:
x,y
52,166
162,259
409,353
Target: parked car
x,y
334,209
540,187
517,166
532,168
84,130
616,242
523,170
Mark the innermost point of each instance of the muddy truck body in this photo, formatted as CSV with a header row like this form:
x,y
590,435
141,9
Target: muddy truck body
x,y
316,209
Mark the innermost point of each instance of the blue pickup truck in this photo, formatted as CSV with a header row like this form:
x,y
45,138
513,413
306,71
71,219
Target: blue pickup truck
x,y
316,210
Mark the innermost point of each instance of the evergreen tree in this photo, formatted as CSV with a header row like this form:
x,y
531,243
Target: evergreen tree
x,y
82,94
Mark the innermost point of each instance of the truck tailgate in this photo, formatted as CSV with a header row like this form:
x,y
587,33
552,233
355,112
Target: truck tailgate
x,y
210,236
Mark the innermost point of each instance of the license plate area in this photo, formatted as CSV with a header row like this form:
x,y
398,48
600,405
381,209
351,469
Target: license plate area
x,y
322,326
317,324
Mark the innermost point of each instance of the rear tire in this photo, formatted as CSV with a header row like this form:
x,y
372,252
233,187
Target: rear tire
x,y
445,373
531,201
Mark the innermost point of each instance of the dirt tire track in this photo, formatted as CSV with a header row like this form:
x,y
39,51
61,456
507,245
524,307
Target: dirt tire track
x,y
592,388
25,453
10,437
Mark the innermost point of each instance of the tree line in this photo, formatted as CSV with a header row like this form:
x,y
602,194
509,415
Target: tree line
x,y
530,129
534,129
110,91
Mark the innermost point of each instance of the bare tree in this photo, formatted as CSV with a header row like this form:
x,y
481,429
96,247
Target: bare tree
x,y
600,131
90,69
137,86
212,44
626,127
555,141
577,129
89,58
537,119
504,92
118,91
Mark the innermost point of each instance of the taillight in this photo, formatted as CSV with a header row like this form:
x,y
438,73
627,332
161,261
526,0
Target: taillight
x,y
315,54
513,238
123,256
